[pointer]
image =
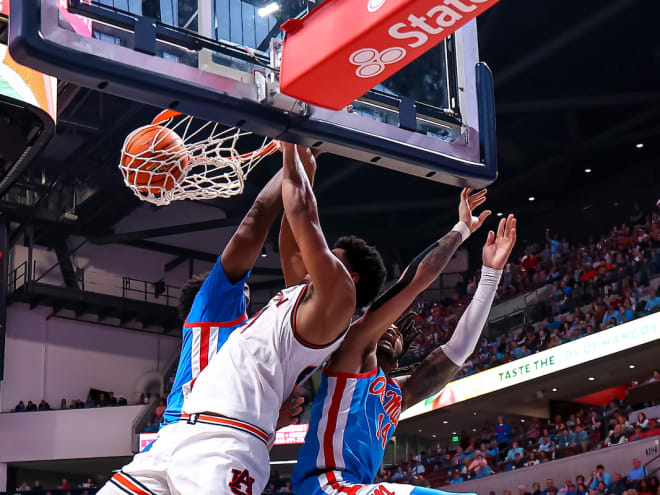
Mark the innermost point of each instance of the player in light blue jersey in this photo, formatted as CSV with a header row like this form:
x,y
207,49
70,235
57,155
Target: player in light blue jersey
x,y
358,404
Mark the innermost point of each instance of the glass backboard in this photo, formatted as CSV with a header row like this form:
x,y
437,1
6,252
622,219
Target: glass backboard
x,y
219,60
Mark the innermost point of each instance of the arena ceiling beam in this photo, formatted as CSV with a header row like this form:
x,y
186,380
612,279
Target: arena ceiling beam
x,y
572,34
164,231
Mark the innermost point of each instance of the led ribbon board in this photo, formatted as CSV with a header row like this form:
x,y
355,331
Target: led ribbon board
x,y
590,348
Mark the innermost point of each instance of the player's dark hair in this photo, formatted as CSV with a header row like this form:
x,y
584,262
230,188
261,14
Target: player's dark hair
x,y
188,293
409,329
365,260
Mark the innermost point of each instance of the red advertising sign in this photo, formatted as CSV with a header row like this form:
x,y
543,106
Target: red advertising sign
x,y
360,43
4,8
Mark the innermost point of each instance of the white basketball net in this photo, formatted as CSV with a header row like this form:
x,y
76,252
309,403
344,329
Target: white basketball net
x,y
214,170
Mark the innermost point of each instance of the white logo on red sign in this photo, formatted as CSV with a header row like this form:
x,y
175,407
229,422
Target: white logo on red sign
x,y
374,5
371,62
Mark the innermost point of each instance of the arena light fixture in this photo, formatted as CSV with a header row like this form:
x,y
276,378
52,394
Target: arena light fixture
x,y
587,170
631,366
263,252
499,213
292,461
269,9
554,389
531,198
433,435
420,430
445,422
639,146
591,378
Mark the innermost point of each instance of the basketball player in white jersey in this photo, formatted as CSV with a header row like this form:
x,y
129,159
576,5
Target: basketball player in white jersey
x,y
220,443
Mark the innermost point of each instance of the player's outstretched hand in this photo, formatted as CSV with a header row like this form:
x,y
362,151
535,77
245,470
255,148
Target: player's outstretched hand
x,y
469,203
498,247
290,411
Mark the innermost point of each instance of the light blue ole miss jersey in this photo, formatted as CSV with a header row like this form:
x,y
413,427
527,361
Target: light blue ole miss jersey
x,y
218,309
353,417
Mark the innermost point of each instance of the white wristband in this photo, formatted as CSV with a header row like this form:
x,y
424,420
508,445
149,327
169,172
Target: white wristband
x,y
463,229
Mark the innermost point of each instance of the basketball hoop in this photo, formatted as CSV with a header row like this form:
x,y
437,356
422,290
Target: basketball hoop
x,y
202,164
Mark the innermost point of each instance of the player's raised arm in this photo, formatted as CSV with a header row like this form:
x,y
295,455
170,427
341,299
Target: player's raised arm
x,y
326,313
443,363
421,272
246,244
293,267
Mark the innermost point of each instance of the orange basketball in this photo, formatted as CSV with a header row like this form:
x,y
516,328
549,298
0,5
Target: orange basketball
x,y
154,159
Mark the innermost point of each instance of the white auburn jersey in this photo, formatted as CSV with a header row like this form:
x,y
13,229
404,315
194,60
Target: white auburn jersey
x,y
259,365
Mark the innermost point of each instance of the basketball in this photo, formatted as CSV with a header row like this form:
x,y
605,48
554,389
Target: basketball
x,y
154,159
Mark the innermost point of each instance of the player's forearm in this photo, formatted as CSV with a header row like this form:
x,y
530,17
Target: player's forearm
x,y
291,259
423,270
441,365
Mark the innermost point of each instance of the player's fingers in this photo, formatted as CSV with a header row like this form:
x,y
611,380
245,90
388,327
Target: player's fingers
x,y
296,411
513,237
483,216
478,194
500,228
491,238
510,223
298,401
464,194
474,203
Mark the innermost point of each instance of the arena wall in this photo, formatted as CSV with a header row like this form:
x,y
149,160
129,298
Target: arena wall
x,y
55,358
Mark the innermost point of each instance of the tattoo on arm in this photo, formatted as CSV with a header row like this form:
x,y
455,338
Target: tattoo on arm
x,y
428,378
428,263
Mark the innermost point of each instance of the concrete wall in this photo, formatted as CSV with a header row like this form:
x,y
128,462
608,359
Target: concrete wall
x,y
70,434
616,459
54,359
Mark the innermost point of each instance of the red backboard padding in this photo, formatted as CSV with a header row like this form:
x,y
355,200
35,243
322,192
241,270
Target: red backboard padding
x,y
344,48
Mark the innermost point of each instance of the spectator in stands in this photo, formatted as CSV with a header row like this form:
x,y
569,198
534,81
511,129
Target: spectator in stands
x,y
550,487
44,406
270,489
63,404
600,475
536,488
20,407
90,403
644,488
545,444
161,409
511,454
37,486
518,462
24,487
502,433
655,377
103,400
64,485
654,486
112,400
618,486
286,488
642,422
637,473
398,476
617,436
122,401
88,484
418,468
637,434
456,477
482,469
579,438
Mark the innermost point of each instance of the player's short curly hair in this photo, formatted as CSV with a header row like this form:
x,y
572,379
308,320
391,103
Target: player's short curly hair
x,y
191,288
188,293
365,260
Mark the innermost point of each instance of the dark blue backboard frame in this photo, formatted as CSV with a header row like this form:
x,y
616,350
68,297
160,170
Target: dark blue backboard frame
x,y
472,163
